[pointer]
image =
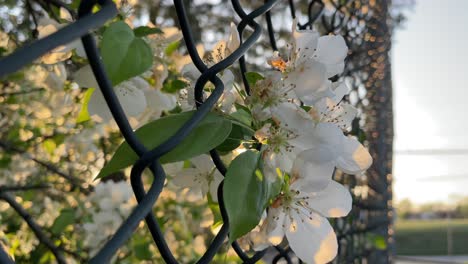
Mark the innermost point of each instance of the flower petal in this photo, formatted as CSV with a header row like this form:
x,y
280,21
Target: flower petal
x,y
234,40
275,221
355,158
282,159
291,117
186,179
313,241
84,77
190,72
97,106
203,163
331,49
340,89
55,56
334,69
305,41
314,167
79,49
131,98
324,91
159,101
214,184
173,168
345,116
333,201
228,80
306,79
218,52
171,34
329,134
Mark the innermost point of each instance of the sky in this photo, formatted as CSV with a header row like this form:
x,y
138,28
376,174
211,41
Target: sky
x,y
430,79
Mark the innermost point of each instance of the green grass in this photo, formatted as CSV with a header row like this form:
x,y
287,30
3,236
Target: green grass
x,y
429,237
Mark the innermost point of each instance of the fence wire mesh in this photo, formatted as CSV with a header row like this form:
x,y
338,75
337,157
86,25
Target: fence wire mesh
x,y
365,236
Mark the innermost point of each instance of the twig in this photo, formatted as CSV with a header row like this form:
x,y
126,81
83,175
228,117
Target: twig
x,y
31,12
41,236
23,187
76,183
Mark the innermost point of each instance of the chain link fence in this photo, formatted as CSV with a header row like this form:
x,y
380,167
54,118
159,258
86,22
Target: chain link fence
x,y
365,236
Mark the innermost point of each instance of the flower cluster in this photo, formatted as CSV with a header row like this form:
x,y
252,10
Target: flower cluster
x,y
294,119
299,117
112,204
302,118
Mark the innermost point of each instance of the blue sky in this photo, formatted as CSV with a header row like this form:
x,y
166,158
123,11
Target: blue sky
x,y
430,74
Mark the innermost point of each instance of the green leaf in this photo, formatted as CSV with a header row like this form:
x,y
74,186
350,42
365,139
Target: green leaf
x,y
172,47
253,77
238,134
3,51
243,116
306,107
83,116
379,242
49,146
145,31
142,250
173,86
5,160
246,193
123,54
243,107
66,218
209,133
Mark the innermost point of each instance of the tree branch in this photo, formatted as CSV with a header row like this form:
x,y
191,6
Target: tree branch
x,y
41,236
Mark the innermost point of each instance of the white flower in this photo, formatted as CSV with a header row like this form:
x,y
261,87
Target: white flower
x,y
332,110
331,51
130,93
291,134
314,147
173,168
131,98
300,215
114,203
329,149
202,178
268,93
312,60
223,48
84,77
159,101
328,50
